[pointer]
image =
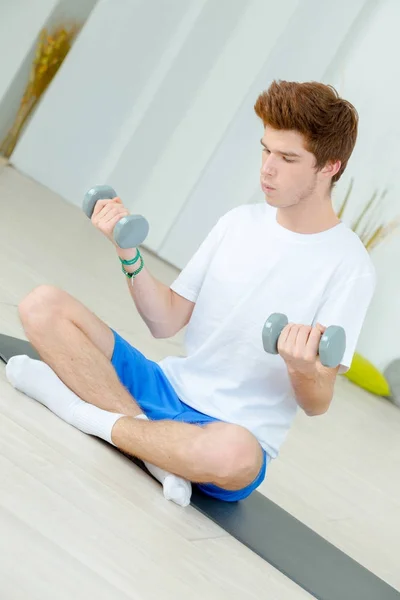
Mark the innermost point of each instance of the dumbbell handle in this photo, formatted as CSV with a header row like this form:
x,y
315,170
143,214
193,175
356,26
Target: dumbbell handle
x,y
331,348
130,231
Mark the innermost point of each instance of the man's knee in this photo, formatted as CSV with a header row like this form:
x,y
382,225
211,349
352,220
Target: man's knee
x,y
235,455
41,305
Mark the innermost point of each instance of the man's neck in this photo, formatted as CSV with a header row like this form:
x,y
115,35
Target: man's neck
x,y
308,217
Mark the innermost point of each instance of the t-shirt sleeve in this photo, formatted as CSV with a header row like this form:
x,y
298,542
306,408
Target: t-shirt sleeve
x,y
347,305
190,279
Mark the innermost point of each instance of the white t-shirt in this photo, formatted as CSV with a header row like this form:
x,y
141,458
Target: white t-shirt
x,y
248,267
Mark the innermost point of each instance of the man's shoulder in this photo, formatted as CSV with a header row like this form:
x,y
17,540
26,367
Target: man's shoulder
x,y
355,261
358,253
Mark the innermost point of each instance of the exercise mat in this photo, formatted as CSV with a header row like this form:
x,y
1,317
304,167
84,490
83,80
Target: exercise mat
x,y
305,557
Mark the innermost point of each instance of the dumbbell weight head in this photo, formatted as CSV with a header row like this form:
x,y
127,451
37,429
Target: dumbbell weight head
x,y
272,330
332,346
130,231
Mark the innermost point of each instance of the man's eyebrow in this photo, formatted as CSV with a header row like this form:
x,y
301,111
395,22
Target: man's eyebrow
x,y
283,153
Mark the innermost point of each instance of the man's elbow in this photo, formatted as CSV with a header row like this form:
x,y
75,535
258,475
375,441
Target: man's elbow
x,y
167,330
317,411
161,334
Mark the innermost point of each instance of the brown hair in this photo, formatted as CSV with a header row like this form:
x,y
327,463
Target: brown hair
x,y
328,123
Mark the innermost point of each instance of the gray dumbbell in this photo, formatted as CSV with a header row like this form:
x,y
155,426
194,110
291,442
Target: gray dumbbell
x,y
130,231
331,346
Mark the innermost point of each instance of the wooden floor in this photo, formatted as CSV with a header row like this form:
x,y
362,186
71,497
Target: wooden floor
x,y
79,521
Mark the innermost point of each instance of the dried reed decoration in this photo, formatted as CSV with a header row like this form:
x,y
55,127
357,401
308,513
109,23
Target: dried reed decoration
x,y
51,50
368,225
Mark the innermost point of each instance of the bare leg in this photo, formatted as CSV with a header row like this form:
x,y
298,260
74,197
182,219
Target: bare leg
x,y
78,347
226,455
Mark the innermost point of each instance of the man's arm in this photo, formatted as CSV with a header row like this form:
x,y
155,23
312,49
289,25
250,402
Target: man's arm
x,y
163,310
314,391
312,382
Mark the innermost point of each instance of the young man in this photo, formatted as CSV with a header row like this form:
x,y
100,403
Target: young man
x,y
219,414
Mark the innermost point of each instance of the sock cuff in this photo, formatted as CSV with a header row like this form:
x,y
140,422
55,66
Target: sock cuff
x,y
95,421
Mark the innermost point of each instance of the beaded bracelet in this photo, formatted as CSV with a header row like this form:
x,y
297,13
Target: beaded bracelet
x,y
133,275
133,260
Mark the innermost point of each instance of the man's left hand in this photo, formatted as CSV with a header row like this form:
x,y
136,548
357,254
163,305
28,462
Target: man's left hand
x,y
298,345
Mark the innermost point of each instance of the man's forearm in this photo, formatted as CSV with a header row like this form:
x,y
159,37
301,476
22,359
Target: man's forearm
x,y
313,391
152,298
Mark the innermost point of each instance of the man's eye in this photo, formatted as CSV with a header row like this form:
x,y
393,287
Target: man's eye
x,y
287,160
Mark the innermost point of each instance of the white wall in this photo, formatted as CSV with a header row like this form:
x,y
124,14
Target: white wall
x,y
173,168
20,20
108,81
20,24
231,177
152,104
365,73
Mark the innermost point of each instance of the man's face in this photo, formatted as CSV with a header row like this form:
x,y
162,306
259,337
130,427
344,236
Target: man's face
x,y
288,175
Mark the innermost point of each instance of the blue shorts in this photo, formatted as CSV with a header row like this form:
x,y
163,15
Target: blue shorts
x,y
147,383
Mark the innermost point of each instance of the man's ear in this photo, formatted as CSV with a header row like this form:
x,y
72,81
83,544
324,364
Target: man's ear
x,y
331,168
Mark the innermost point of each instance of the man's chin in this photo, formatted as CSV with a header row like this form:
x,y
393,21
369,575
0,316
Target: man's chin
x,y
272,201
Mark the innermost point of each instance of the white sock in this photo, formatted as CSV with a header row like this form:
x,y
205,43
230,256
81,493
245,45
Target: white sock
x,y
37,380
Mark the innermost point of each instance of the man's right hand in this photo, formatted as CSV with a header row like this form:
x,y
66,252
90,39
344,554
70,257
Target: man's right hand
x,y
106,215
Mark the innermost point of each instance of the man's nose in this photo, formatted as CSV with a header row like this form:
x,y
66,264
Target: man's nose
x,y
268,167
